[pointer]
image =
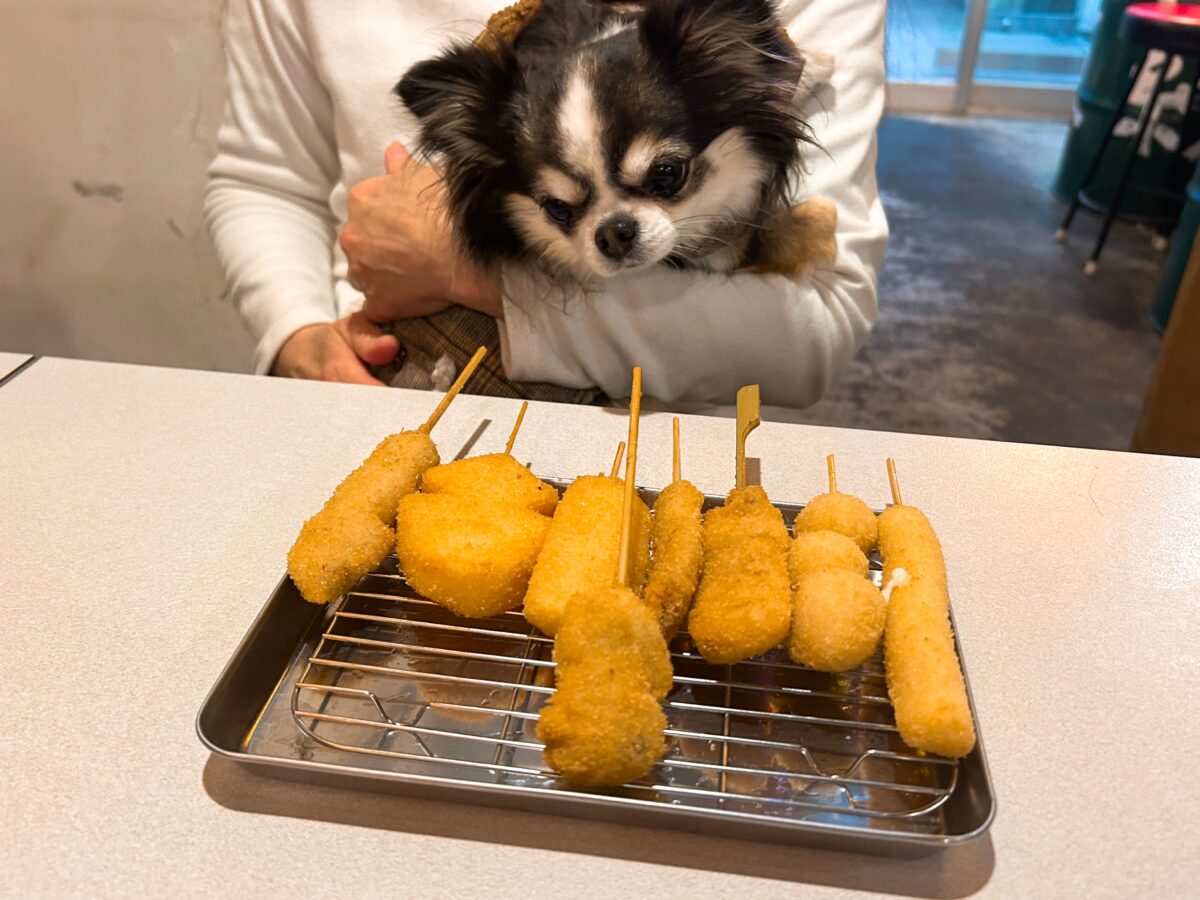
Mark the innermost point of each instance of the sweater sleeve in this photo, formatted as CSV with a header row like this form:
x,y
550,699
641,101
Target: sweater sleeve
x,y
267,199
699,336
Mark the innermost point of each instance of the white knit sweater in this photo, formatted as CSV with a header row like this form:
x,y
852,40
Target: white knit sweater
x,y
310,112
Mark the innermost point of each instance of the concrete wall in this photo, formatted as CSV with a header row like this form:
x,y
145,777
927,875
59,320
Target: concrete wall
x,y
108,110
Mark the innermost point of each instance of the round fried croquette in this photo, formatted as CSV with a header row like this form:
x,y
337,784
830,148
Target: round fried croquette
x,y
837,618
492,478
841,513
473,559
816,551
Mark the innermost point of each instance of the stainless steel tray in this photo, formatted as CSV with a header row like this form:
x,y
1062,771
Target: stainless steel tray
x,y
385,690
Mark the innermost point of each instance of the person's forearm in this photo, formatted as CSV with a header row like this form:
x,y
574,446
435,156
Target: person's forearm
x,y
276,257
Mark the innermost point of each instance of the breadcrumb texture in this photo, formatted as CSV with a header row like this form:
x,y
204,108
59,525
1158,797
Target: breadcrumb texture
x,y
743,604
474,559
581,549
924,678
604,725
352,534
837,619
677,553
817,551
492,478
841,513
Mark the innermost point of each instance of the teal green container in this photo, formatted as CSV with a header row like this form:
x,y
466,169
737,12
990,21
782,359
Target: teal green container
x,y
1109,65
1181,251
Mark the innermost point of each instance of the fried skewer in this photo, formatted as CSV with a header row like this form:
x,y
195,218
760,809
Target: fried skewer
x,y
743,605
839,512
470,538
353,532
604,726
924,679
678,548
837,612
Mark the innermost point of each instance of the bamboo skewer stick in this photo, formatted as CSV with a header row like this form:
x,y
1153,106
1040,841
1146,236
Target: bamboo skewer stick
x,y
675,469
616,466
635,409
891,469
748,419
832,473
512,437
466,373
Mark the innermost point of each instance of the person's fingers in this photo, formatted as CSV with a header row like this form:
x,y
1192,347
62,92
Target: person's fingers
x,y
369,342
349,370
396,157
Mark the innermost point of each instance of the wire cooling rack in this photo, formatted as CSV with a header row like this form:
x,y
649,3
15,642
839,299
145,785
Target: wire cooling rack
x,y
403,684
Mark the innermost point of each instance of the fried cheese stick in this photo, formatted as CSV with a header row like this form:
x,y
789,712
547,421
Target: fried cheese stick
x,y
924,678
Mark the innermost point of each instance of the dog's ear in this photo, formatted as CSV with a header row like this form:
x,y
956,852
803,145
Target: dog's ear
x,y
458,97
689,35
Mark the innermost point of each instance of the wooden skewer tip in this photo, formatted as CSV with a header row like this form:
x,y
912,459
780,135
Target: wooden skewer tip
x,y
675,467
616,466
512,437
894,482
466,373
635,409
829,461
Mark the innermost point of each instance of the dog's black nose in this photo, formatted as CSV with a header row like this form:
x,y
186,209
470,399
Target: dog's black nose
x,y
616,236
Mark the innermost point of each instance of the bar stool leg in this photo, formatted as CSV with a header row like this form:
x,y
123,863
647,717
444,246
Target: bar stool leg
x,y
1119,111
1089,267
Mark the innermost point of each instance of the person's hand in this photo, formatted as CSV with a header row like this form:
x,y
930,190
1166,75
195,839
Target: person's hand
x,y
337,351
399,243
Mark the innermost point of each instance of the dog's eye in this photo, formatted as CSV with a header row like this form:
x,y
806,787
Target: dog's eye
x,y
558,210
666,178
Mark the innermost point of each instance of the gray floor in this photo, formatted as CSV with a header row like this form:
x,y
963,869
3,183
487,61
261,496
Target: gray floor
x,y
987,327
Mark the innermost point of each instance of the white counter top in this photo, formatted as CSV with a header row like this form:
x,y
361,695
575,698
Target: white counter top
x,y
10,361
144,518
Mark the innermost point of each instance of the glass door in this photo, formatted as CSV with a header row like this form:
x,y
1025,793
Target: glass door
x,y
1000,56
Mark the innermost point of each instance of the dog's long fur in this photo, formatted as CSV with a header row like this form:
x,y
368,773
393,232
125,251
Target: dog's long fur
x,y
589,97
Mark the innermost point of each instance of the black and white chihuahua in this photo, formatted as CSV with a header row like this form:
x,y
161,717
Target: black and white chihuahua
x,y
596,138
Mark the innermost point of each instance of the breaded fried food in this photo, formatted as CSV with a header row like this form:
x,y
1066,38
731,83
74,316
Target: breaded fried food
x,y
678,552
352,534
492,478
604,725
837,618
581,549
842,513
817,551
907,541
743,605
924,679
474,559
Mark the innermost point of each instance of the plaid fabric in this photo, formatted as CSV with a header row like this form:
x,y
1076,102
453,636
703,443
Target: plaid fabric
x,y
456,333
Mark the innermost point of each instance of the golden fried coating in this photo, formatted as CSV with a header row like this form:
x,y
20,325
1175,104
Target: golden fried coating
x,y
494,477
907,541
841,513
337,547
924,679
678,553
743,605
923,676
473,559
604,725
816,551
581,549
602,630
837,618
352,534
392,470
